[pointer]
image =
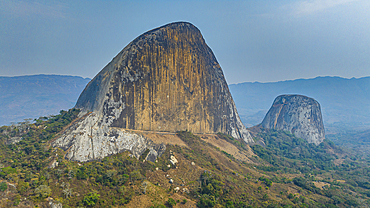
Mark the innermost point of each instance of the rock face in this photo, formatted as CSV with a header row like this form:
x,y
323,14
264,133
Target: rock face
x,y
298,114
168,80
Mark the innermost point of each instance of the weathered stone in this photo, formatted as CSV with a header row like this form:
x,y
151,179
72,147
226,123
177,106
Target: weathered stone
x,y
54,164
13,140
86,140
298,114
55,204
173,160
185,190
165,80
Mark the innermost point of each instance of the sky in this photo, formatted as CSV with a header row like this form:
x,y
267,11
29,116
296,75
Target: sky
x,y
262,41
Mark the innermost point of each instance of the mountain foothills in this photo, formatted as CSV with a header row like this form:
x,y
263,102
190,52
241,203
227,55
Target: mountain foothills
x,y
25,97
157,127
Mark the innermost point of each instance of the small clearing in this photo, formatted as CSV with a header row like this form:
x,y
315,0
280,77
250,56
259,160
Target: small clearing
x,y
320,184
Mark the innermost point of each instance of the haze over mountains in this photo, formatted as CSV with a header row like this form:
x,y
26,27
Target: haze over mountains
x,y
23,97
345,103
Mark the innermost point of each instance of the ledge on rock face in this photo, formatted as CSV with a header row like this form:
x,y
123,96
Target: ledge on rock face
x,y
166,80
298,114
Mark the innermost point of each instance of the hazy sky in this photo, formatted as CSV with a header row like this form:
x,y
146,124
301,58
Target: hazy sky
x,y
252,40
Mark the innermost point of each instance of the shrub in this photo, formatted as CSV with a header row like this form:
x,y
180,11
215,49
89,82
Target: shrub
x,y
43,191
206,201
7,171
91,199
171,202
22,186
3,186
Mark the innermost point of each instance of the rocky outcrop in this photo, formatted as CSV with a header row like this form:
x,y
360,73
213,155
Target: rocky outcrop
x,y
298,114
13,140
165,80
87,139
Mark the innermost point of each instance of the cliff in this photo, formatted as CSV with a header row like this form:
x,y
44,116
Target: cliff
x,y
166,80
298,114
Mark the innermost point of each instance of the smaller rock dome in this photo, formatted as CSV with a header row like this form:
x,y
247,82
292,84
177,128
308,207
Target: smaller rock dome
x,y
298,114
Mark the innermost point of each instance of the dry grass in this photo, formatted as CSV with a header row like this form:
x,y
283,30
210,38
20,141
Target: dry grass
x,y
160,138
320,184
338,161
228,147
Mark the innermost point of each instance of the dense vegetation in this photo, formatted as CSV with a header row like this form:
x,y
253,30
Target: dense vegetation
x,y
346,178
284,150
356,142
285,172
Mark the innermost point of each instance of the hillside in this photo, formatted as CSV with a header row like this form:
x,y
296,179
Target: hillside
x,y
345,103
195,170
24,97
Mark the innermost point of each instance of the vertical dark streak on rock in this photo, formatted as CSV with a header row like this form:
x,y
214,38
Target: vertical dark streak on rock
x,y
92,144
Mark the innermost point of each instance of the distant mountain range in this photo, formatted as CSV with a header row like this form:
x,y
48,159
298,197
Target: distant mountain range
x,y
23,97
345,103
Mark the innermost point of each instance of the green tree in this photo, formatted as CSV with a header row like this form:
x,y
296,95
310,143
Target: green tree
x,y
43,191
22,186
3,186
206,201
171,202
91,199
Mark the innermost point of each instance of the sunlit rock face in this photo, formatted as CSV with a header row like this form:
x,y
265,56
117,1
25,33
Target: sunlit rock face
x,y
298,114
166,80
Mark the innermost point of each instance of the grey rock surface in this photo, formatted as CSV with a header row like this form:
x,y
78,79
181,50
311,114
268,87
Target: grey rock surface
x,y
55,204
54,164
90,139
298,114
13,140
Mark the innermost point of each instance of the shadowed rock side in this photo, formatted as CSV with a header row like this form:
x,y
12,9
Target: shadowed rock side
x,y
298,114
165,80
